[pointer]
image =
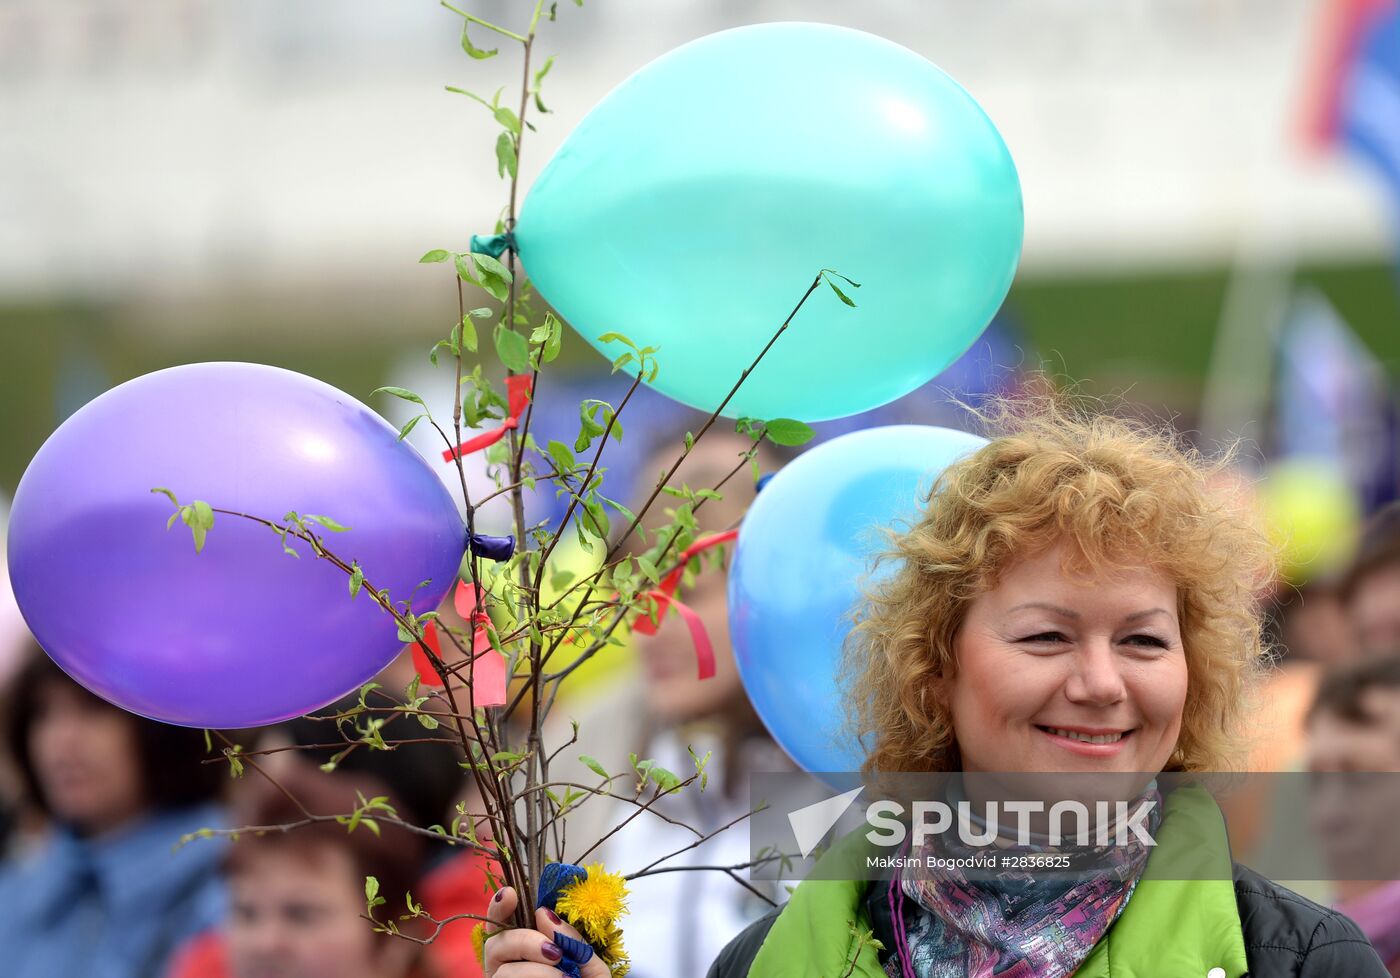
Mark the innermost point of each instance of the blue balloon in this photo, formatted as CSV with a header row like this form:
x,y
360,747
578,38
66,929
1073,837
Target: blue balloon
x,y
803,548
694,205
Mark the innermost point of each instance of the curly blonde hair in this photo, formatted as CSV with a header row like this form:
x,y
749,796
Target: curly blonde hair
x,y
1118,493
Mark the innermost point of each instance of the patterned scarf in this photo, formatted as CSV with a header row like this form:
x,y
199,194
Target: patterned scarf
x,y
1018,925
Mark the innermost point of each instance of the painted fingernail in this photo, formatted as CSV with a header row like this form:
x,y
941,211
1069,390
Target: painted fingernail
x,y
549,950
497,897
553,917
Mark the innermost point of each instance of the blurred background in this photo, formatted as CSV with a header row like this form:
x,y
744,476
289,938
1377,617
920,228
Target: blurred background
x,y
184,181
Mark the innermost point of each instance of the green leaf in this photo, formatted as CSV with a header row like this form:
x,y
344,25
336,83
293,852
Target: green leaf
x,y
665,780
623,361
539,76
167,493
483,313
436,255
357,579
700,764
204,514
787,431
492,275
617,338
513,350
649,569
508,119
407,395
592,764
839,294
597,517
409,425
559,454
505,155
372,897
328,523
472,50
173,517
469,330
584,541
627,514
199,517
555,338
464,268
827,274
544,70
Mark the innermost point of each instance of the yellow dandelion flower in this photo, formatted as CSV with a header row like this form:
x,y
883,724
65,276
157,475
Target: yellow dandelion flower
x,y
614,955
479,943
594,903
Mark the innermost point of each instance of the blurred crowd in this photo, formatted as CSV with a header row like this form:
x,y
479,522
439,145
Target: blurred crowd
x,y
94,802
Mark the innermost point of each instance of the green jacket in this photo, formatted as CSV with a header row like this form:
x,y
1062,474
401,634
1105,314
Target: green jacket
x,y
1171,928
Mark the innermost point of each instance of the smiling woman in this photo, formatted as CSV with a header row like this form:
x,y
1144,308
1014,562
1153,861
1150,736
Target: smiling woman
x,y
1074,600
1073,551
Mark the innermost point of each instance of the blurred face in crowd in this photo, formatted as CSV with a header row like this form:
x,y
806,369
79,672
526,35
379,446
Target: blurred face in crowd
x,y
674,694
1352,809
86,759
296,914
1060,673
1375,610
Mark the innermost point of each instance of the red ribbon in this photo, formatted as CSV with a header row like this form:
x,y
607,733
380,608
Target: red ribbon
x,y
665,597
699,637
488,674
518,390
667,590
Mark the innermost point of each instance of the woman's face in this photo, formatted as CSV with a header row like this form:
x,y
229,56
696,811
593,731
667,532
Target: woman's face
x,y
86,759
296,914
674,694
1060,673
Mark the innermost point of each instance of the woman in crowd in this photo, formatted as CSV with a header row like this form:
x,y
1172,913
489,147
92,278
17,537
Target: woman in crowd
x,y
103,895
1075,600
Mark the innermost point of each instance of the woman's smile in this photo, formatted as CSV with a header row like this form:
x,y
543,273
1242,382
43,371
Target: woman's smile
x,y
1086,741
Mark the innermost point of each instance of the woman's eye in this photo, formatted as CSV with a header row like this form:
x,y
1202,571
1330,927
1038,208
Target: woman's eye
x,y
1146,641
1044,638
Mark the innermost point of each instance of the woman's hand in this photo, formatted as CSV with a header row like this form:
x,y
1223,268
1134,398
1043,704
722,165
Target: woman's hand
x,y
523,953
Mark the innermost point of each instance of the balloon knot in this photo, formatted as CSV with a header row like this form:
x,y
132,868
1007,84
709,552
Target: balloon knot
x,y
494,245
492,548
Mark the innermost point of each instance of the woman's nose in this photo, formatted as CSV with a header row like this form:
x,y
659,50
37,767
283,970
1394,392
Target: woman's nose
x,y
1096,680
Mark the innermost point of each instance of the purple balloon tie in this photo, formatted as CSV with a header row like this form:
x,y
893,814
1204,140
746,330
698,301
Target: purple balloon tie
x,y
492,548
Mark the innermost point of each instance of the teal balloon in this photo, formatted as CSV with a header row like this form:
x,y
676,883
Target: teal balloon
x,y
695,204
804,552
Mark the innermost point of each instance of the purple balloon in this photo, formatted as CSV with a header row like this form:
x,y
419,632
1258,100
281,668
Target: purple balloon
x,y
241,634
